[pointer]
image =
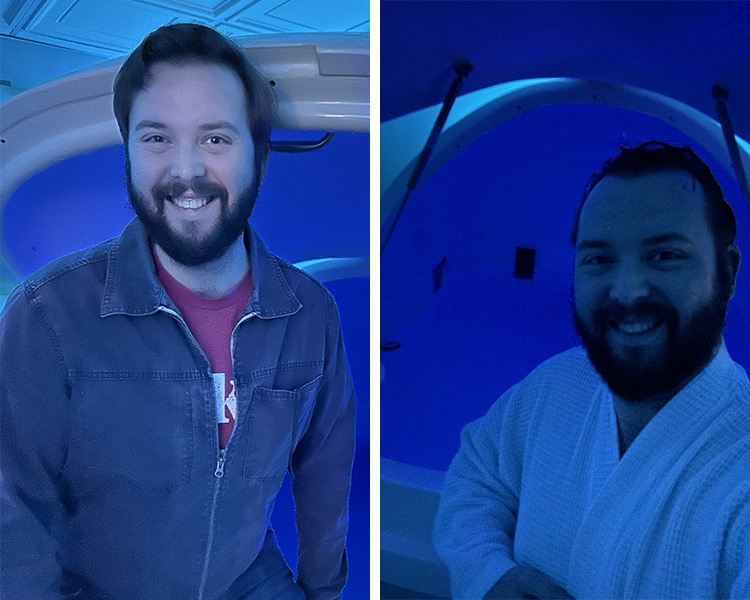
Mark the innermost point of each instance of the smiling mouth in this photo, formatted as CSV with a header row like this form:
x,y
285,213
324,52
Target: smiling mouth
x,y
634,327
190,202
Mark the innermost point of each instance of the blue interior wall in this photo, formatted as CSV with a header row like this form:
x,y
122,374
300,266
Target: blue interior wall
x,y
310,205
483,330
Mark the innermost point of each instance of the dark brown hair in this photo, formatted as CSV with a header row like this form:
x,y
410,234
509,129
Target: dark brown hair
x,y
658,156
189,42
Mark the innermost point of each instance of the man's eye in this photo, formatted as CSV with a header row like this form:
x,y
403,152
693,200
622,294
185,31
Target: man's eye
x,y
217,140
666,255
597,259
155,139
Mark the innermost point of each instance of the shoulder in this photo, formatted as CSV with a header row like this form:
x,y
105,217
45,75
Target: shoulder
x,y
67,266
302,280
569,372
742,388
60,292
67,275
564,385
311,293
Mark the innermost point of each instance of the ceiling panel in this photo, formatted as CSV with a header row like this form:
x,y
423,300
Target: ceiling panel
x,y
95,25
58,37
49,62
340,15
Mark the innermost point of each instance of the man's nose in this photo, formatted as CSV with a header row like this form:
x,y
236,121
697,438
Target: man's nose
x,y
187,163
630,283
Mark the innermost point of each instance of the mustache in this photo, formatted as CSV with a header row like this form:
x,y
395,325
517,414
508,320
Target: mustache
x,y
199,186
613,310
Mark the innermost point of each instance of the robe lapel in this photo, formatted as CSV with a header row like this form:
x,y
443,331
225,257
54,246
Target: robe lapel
x,y
625,532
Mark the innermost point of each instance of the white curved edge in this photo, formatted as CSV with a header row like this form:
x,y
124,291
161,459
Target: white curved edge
x,y
332,269
402,149
409,497
480,111
323,269
321,82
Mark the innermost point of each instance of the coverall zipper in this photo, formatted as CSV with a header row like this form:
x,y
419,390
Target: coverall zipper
x,y
219,471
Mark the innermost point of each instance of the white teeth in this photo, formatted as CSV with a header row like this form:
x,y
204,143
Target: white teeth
x,y
635,327
196,203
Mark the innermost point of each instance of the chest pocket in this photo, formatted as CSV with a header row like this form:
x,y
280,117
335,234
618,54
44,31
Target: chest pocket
x,y
276,419
132,432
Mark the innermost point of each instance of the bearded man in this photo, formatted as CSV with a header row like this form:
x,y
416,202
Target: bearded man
x,y
157,387
621,470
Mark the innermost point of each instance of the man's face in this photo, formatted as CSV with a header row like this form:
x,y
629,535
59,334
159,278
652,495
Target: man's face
x,y
191,161
646,300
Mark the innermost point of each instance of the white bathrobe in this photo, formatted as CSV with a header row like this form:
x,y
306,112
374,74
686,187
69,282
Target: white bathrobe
x,y
539,481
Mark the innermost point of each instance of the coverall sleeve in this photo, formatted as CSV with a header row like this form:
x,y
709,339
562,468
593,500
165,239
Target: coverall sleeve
x,y
476,519
321,475
33,432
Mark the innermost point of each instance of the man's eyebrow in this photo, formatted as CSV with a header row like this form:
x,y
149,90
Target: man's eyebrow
x,y
148,124
596,244
151,125
219,125
667,237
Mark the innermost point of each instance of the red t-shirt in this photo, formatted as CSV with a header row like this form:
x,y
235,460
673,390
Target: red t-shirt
x,y
211,321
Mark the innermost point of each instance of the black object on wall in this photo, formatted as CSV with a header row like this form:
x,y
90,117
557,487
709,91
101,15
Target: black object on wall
x,y
437,274
525,259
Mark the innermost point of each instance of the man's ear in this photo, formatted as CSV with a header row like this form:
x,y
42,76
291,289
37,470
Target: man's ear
x,y
733,265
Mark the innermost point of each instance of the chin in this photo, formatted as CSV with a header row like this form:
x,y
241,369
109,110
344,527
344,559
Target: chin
x,y
187,249
640,374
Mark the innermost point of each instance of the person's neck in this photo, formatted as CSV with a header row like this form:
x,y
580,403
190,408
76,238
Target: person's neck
x,y
213,279
634,415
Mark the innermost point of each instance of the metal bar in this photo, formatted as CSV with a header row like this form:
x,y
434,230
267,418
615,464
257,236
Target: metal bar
x,y
721,95
300,146
462,71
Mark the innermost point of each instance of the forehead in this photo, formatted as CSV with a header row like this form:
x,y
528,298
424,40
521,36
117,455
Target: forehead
x,y
192,91
632,208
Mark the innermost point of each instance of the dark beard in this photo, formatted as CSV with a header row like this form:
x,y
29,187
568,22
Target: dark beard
x,y
688,350
182,248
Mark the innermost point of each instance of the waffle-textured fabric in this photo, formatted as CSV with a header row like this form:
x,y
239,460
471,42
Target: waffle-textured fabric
x,y
539,481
